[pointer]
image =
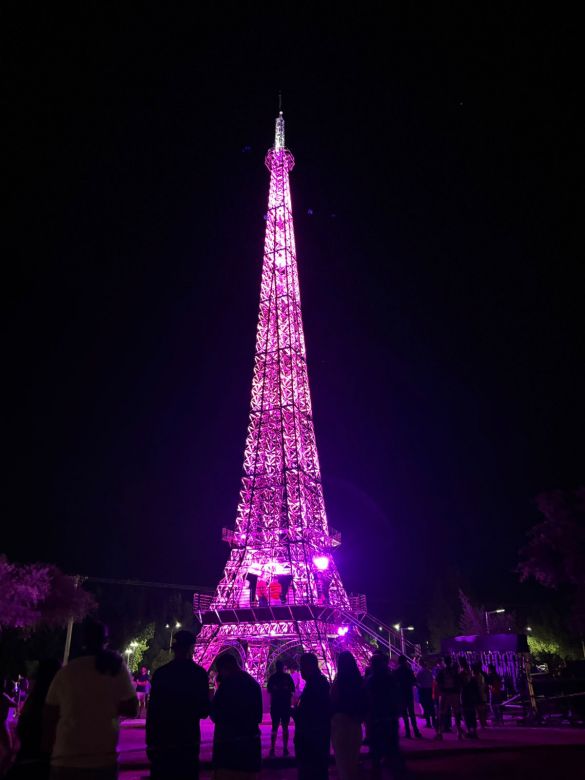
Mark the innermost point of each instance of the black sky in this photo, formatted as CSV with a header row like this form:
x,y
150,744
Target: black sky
x,y
440,278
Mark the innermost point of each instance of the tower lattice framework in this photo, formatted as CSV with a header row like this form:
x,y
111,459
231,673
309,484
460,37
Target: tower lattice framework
x,y
281,590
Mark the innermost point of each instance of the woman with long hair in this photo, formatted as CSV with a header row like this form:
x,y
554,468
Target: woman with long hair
x,y
348,711
83,707
32,762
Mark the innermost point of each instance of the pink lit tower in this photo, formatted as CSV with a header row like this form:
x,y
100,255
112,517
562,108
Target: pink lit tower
x,y
280,592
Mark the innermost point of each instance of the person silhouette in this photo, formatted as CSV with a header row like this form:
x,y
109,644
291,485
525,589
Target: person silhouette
x,y
32,761
84,703
179,699
281,689
312,722
383,708
236,710
406,681
349,708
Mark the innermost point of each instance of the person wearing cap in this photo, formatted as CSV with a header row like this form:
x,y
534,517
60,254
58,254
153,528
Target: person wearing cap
x,y
179,699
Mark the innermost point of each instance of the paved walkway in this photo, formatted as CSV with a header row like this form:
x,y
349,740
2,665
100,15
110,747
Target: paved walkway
x,y
509,737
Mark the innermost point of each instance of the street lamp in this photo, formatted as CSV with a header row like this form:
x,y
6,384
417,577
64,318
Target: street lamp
x,y
401,630
529,628
381,630
491,612
177,626
130,651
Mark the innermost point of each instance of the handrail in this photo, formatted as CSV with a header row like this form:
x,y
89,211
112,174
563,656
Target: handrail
x,y
383,639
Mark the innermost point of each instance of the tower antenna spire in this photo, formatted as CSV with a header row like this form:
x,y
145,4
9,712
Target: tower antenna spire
x,y
279,130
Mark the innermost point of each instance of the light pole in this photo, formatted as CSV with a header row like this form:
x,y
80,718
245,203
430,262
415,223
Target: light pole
x,y
381,629
129,652
401,630
491,612
177,626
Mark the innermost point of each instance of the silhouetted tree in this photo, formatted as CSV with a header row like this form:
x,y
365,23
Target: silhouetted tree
x,y
39,594
472,619
555,553
442,612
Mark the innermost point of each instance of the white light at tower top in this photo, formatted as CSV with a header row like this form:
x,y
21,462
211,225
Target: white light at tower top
x,y
279,133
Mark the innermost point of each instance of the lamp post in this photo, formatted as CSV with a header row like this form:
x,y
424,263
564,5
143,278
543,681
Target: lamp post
x,y
401,630
381,630
177,626
129,653
491,612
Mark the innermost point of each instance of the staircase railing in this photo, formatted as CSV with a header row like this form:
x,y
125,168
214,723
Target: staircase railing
x,y
386,636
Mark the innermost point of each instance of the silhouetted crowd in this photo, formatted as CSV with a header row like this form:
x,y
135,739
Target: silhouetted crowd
x,y
69,725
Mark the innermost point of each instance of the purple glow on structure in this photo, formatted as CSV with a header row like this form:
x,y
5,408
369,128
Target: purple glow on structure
x,y
281,544
342,630
321,562
281,525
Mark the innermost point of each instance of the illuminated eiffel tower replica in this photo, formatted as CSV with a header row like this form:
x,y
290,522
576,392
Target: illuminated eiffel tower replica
x,y
281,593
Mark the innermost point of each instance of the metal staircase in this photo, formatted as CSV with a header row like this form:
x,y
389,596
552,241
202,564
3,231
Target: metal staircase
x,y
385,636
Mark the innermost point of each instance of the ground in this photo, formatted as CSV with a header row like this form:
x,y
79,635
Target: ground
x,y
509,751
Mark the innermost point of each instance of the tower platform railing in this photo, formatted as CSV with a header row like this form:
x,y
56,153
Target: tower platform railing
x,y
237,539
204,602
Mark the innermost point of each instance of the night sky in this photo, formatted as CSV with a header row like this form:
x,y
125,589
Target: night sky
x,y
435,213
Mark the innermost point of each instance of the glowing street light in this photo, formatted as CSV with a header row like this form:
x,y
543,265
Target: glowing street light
x,y
491,612
130,652
401,629
177,626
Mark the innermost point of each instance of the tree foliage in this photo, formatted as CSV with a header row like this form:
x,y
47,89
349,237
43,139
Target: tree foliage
x,y
473,621
555,553
35,594
163,657
443,607
139,647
